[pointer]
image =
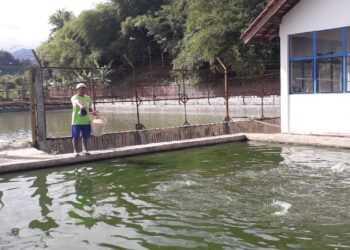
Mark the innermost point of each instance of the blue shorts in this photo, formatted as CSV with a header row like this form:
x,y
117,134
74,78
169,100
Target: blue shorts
x,y
85,130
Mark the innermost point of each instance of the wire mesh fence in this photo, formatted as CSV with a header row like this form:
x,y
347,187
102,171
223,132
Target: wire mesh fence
x,y
123,84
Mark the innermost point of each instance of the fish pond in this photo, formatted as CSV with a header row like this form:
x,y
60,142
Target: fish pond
x,y
241,195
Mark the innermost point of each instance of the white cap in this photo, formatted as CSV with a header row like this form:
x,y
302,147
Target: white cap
x,y
80,85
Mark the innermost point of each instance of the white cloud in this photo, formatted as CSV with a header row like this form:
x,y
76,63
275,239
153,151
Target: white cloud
x,y
24,23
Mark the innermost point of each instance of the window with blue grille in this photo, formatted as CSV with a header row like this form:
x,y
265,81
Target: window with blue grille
x,y
319,62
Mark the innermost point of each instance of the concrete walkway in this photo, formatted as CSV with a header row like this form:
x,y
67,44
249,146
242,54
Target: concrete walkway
x,y
30,158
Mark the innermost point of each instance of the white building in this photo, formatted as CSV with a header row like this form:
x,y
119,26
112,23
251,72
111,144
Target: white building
x,y
315,62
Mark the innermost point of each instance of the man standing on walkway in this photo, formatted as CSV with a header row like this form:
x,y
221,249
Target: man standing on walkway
x,y
81,123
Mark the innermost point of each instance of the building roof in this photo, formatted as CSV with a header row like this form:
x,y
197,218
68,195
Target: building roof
x,y
266,26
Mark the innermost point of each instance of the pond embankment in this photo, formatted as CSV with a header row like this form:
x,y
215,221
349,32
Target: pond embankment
x,y
30,158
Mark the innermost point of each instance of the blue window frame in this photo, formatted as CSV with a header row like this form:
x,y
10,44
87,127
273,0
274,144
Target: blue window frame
x,y
319,62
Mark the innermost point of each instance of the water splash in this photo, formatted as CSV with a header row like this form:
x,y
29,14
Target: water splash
x,y
285,206
175,185
338,168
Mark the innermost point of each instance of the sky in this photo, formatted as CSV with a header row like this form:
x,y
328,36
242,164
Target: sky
x,y
25,23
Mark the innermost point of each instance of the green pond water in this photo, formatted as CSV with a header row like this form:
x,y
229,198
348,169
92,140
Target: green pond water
x,y
15,126
230,196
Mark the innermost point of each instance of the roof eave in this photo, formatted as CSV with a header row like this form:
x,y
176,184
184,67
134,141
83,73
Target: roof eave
x,y
270,18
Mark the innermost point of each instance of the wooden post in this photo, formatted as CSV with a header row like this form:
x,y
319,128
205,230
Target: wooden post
x,y
33,107
40,111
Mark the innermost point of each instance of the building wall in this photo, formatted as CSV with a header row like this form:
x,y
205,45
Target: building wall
x,y
313,113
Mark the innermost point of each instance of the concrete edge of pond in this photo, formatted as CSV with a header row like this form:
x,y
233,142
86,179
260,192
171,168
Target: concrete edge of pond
x,y
335,141
30,158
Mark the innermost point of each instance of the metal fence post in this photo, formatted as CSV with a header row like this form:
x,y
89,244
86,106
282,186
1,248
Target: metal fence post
x,y
227,118
184,98
138,100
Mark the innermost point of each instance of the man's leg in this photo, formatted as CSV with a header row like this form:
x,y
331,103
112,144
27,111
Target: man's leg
x,y
85,147
75,146
86,129
75,138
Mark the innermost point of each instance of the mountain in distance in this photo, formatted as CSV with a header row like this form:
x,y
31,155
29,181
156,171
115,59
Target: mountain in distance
x,y
23,54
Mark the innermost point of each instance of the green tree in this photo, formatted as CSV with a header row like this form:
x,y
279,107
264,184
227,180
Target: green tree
x,y
133,8
164,26
8,64
104,73
6,58
195,32
6,86
88,37
96,35
83,76
58,20
213,29
191,33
